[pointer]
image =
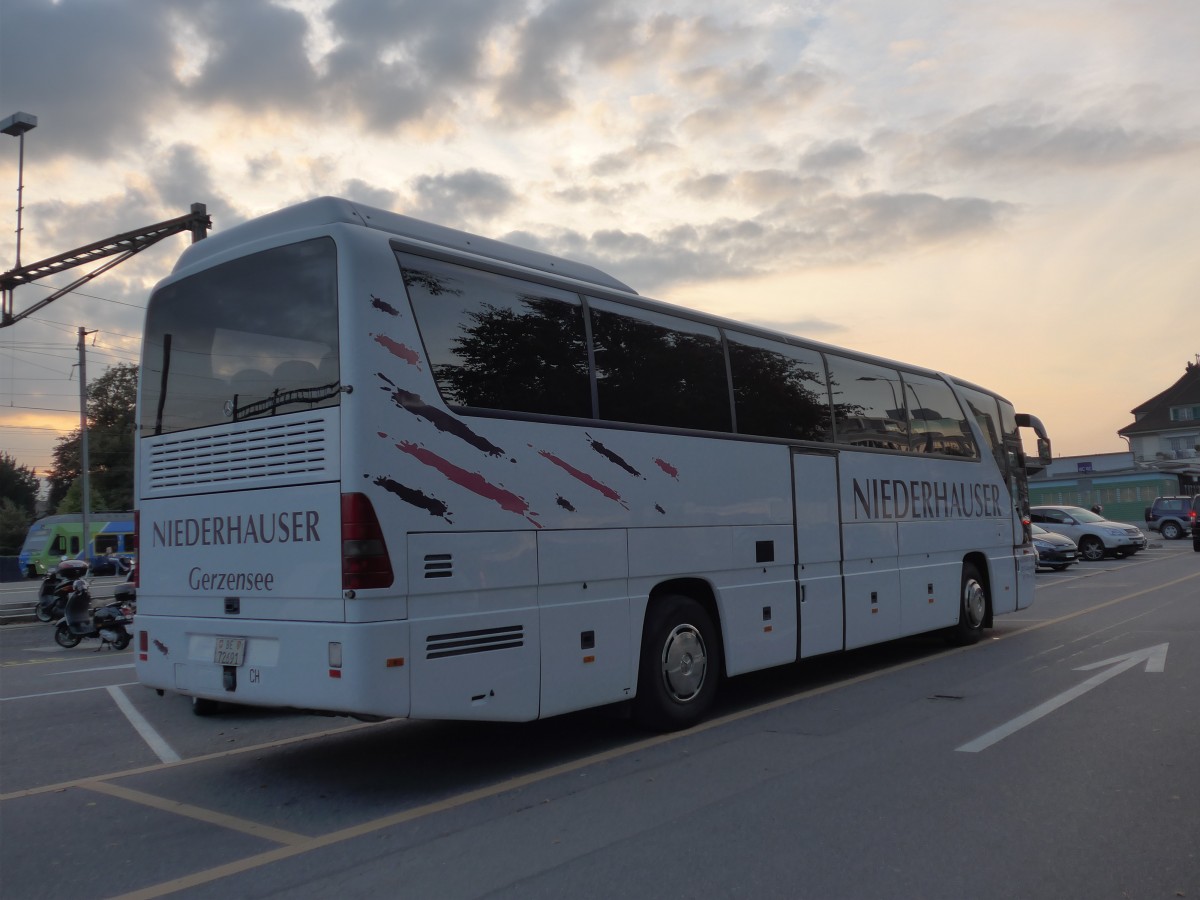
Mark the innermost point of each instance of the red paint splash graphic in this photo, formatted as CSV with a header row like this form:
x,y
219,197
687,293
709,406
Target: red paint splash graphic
x,y
667,467
584,477
397,349
472,481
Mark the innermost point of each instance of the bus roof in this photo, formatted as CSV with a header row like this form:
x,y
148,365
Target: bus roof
x,y
334,210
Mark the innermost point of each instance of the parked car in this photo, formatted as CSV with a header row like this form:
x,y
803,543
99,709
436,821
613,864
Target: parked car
x,y
1170,517
1054,551
1095,535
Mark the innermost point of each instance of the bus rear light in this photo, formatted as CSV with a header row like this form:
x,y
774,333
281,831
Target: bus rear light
x,y
365,560
143,645
335,654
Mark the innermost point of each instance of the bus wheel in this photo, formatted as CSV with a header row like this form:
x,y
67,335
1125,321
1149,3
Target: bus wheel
x,y
679,665
972,608
202,706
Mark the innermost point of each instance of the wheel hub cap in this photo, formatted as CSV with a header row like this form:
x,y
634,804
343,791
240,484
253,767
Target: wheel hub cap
x,y
684,663
974,603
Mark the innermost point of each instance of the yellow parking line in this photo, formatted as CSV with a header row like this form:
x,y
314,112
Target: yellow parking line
x,y
355,831
208,757
12,663
278,835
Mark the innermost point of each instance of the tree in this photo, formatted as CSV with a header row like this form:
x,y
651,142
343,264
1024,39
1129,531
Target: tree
x,y
18,484
14,523
72,501
112,402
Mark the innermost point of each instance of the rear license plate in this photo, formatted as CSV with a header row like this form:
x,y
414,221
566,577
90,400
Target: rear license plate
x,y
230,651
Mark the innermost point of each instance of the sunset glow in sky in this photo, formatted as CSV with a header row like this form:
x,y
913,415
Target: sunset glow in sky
x,y
1007,192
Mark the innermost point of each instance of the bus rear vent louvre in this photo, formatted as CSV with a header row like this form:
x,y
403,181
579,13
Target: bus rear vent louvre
x,y
439,565
460,643
252,451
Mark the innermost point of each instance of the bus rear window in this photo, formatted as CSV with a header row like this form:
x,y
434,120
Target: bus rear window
x,y
253,337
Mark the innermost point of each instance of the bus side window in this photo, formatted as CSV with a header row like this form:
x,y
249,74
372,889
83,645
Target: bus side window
x,y
936,420
868,404
496,342
655,369
779,390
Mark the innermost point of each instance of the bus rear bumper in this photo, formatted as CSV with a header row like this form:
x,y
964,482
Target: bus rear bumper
x,y
350,669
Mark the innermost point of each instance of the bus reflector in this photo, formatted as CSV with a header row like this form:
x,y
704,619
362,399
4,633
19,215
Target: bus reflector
x,y
365,560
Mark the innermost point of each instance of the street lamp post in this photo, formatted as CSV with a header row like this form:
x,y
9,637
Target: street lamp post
x,y
17,124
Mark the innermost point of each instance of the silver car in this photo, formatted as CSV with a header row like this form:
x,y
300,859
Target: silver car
x,y
1096,536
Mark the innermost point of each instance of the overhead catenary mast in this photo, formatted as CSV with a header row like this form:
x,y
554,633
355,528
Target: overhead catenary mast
x,y
114,250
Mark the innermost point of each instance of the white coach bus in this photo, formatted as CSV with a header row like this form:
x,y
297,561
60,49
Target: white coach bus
x,y
390,469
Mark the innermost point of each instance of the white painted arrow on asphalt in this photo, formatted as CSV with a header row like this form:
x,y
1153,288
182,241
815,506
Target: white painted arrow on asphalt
x,y
1154,657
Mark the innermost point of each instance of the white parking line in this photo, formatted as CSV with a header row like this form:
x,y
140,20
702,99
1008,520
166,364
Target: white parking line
x,y
98,687
160,747
94,669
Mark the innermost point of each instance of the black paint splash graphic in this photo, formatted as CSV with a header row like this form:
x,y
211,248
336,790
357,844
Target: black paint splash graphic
x,y
384,306
564,503
442,421
660,509
612,457
432,505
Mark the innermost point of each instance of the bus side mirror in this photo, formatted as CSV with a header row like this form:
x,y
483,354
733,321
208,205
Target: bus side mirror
x,y
1044,454
1043,460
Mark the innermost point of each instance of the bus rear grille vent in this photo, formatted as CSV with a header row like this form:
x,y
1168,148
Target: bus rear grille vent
x,y
439,565
460,643
282,450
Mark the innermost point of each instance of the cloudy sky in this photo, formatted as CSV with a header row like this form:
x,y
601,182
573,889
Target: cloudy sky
x,y
1008,192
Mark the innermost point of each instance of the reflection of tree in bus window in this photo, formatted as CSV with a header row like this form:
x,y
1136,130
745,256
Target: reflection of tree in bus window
x,y
500,343
779,390
659,370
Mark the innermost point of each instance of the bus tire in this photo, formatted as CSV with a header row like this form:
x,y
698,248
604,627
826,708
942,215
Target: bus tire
x,y
202,706
972,607
679,665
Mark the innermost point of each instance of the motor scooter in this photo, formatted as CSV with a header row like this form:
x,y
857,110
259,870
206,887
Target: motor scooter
x,y
56,587
110,623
